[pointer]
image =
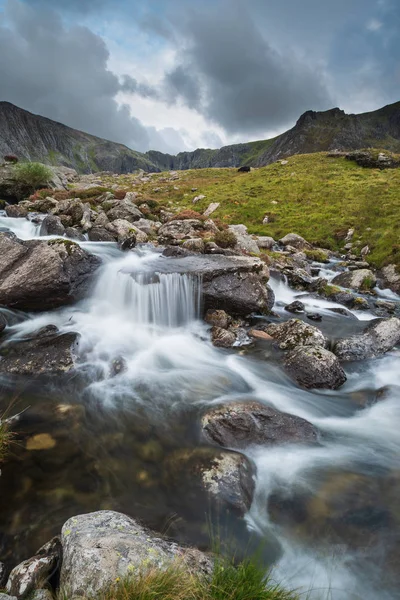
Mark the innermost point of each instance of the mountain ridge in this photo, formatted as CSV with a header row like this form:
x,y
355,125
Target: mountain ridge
x,y
33,137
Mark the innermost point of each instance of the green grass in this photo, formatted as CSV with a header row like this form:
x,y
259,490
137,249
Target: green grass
x,y
244,582
32,175
5,438
313,195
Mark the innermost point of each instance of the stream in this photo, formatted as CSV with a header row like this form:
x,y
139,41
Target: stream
x,y
328,516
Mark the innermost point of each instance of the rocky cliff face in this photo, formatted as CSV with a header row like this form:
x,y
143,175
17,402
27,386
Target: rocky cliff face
x,y
36,138
32,137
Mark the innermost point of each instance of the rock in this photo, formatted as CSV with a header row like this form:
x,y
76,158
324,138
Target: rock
x,y
3,577
34,573
41,595
175,231
211,208
42,275
222,338
7,597
16,211
100,547
244,169
40,441
124,210
314,367
85,222
349,235
260,334
129,243
3,323
361,279
217,318
194,245
122,230
101,234
295,333
72,208
390,276
265,242
370,160
74,234
292,239
130,197
238,294
314,316
244,241
223,476
379,337
198,198
51,225
295,307
46,351
238,425
149,227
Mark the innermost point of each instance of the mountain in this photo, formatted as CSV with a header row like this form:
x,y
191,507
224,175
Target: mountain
x,y
36,138
32,137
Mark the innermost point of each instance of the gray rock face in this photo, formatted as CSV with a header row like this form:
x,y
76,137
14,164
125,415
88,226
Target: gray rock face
x,y
33,573
314,367
51,225
292,239
378,338
124,210
238,294
45,352
265,242
391,278
244,241
176,231
238,425
102,546
41,275
295,333
357,280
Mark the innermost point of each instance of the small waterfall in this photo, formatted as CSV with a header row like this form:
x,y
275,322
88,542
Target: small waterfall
x,y
23,228
147,297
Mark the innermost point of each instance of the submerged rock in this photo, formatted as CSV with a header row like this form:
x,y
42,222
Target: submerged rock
x,y
101,547
295,333
203,473
241,424
222,338
34,573
315,367
41,275
45,352
379,337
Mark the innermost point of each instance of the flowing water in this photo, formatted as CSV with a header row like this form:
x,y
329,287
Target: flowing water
x,y
328,515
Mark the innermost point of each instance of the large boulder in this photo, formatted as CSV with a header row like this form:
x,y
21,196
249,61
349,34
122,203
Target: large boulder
x,y
174,232
16,211
314,367
125,210
42,275
244,241
379,337
51,225
360,279
102,547
45,352
294,333
241,424
238,294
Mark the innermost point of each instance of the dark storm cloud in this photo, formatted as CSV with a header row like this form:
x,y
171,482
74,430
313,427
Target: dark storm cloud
x,y
233,76
62,74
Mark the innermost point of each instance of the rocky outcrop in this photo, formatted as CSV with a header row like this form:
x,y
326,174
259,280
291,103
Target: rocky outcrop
x,y
314,367
100,547
294,333
390,278
374,160
238,294
244,241
295,241
238,425
41,275
359,279
45,352
379,337
175,231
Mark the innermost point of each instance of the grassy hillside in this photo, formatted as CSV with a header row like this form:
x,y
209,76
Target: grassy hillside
x,y
313,195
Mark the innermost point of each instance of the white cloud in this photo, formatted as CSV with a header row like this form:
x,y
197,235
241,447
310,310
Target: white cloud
x,y
374,25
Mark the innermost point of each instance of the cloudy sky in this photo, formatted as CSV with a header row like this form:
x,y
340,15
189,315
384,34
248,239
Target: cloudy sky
x,y
174,75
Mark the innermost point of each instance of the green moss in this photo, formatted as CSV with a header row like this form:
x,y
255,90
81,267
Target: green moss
x,y
317,255
330,290
225,239
368,283
68,245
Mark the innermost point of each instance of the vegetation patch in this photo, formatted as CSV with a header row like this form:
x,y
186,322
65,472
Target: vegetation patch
x,y
188,214
32,175
225,239
247,581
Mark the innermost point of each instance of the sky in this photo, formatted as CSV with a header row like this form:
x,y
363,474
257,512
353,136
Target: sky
x,y
175,75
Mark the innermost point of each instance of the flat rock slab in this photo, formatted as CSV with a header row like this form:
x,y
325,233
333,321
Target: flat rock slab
x,y
99,547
